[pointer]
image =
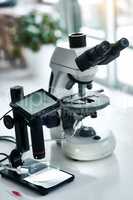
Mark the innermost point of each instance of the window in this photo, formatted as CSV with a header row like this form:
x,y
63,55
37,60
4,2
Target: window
x,y
124,17
109,20
93,14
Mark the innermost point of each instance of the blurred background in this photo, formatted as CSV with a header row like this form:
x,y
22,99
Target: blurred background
x,y
24,56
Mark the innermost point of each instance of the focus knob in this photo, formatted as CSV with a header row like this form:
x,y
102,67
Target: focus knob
x,y
8,121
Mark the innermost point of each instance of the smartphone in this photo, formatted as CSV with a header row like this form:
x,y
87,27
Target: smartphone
x,y
41,178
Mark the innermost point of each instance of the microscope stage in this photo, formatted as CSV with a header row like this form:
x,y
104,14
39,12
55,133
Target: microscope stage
x,y
86,104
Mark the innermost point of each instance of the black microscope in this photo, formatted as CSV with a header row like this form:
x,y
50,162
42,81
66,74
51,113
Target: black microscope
x,y
34,111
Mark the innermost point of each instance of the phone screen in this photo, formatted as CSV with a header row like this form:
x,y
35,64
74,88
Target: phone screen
x,y
48,177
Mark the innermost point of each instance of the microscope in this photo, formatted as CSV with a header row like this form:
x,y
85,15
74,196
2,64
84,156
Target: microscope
x,y
78,65
62,110
32,111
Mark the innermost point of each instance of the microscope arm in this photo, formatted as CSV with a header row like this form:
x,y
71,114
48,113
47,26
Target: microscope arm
x,y
58,84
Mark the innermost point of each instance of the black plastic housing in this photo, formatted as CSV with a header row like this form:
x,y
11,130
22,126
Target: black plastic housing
x,y
21,132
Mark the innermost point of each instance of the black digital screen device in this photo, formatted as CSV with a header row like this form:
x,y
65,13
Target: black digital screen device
x,y
36,104
31,110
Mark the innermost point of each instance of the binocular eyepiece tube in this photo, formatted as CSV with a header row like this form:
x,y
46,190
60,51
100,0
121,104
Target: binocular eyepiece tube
x,y
104,51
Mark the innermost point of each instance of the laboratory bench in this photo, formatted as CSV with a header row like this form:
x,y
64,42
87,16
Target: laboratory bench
x,y
109,178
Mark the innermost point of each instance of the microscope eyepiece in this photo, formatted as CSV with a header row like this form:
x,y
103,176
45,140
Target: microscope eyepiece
x,y
101,54
90,57
121,44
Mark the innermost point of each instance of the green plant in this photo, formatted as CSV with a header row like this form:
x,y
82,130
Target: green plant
x,y
34,30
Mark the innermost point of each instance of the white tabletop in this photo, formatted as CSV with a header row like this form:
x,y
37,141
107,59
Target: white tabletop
x,y
107,179
110,178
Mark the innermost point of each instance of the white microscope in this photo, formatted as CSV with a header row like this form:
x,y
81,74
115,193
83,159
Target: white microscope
x,y
78,65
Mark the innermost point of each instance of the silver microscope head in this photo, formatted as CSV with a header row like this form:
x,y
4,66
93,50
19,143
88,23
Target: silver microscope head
x,y
78,64
63,59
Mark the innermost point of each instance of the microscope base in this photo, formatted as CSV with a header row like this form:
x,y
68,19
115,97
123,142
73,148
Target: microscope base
x,y
88,149
41,177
